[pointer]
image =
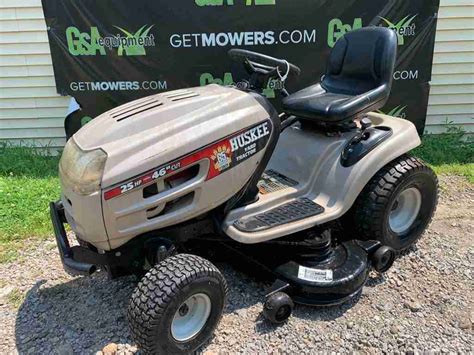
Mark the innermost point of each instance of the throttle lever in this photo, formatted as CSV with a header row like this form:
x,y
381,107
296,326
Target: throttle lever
x,y
365,123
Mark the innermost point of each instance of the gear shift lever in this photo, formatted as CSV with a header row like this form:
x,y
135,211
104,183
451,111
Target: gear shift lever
x,y
364,124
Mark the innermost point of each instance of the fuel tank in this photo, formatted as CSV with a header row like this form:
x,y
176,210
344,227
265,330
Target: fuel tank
x,y
170,157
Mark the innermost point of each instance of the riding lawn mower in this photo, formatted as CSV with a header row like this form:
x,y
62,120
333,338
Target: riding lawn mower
x,y
313,197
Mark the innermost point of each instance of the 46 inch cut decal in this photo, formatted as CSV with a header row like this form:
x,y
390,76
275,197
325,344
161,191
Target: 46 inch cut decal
x,y
223,155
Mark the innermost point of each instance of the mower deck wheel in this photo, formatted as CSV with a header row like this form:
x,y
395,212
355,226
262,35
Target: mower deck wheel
x,y
278,307
383,259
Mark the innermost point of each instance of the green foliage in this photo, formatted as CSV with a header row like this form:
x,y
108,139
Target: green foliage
x,y
24,206
9,251
449,153
28,182
27,162
15,298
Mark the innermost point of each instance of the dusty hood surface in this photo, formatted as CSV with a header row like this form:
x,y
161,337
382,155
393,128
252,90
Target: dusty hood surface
x,y
166,125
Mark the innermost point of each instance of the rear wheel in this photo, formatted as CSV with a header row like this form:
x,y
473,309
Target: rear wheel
x,y
398,203
177,305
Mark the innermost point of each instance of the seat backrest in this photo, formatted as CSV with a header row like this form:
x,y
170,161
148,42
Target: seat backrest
x,y
361,60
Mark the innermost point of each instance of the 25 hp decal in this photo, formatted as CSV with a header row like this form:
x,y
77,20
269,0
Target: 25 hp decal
x,y
223,155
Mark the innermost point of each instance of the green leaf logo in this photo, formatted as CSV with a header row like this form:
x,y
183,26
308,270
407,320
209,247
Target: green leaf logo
x,y
403,28
134,43
395,112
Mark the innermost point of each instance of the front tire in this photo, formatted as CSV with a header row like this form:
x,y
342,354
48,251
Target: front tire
x,y
177,305
398,203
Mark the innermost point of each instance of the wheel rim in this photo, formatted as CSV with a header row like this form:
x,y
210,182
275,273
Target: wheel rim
x,y
405,209
283,313
191,317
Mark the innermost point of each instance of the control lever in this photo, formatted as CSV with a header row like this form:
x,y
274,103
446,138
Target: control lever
x,y
363,142
360,135
365,123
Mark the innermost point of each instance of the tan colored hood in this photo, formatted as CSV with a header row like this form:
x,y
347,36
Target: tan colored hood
x,y
144,116
144,133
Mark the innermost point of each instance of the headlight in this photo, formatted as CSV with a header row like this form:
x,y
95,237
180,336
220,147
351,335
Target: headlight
x,y
82,170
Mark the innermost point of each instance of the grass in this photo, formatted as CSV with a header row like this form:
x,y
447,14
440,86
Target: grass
x,y
28,182
15,298
450,153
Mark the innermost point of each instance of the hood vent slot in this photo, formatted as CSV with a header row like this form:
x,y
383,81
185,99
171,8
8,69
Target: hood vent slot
x,y
184,97
133,105
178,93
149,103
136,110
181,95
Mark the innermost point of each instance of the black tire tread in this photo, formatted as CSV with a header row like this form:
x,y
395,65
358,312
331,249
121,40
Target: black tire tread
x,y
371,202
156,289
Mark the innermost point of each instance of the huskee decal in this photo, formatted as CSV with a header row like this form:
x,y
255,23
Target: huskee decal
x,y
246,144
250,136
224,155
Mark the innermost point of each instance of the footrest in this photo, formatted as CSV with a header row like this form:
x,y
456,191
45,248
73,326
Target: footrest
x,y
290,212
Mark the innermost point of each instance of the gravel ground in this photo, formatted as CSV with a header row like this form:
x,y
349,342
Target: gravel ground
x,y
424,303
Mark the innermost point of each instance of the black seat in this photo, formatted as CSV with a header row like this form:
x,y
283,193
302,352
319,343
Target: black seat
x,y
358,78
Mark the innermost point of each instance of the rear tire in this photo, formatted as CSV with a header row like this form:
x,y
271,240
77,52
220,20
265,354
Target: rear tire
x,y
177,305
398,203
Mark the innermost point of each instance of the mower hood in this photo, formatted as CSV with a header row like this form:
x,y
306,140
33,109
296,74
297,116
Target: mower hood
x,y
168,125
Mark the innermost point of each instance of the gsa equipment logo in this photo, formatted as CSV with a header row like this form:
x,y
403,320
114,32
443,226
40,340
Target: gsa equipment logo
x,y
233,2
93,43
337,29
228,79
403,28
398,111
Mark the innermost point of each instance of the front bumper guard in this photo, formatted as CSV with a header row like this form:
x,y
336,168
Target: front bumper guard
x,y
70,256
80,260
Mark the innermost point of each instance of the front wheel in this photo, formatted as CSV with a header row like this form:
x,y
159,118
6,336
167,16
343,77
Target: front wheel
x,y
177,305
398,203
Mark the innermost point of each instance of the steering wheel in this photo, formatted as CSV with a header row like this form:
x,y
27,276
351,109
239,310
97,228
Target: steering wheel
x,y
264,65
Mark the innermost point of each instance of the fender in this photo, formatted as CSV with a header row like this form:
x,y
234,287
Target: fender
x,y
313,160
